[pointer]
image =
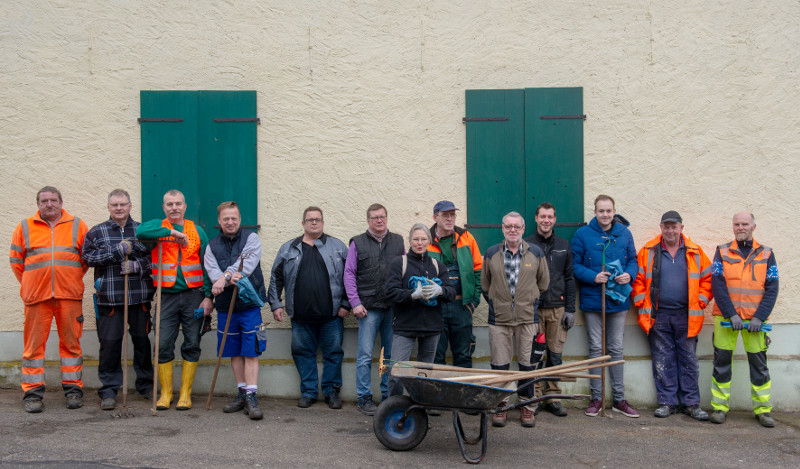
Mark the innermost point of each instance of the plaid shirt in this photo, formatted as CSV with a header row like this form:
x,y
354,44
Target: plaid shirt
x,y
101,250
511,262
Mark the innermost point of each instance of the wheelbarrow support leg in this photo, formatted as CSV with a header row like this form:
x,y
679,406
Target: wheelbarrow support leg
x,y
462,439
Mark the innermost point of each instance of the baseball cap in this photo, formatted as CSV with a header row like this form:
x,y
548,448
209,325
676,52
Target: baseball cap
x,y
443,206
671,216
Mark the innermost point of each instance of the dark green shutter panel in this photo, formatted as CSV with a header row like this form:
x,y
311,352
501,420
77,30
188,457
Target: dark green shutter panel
x,y
554,154
210,155
495,161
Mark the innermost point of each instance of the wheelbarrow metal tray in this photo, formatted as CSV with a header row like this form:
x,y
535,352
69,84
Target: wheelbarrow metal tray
x,y
428,387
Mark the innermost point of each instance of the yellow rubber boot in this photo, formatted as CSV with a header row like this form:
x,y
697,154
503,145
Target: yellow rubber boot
x,y
165,380
187,378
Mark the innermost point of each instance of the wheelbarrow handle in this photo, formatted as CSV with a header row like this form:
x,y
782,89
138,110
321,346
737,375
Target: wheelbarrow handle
x,y
580,397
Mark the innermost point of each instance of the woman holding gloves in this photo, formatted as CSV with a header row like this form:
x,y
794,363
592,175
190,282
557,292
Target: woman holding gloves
x,y
415,286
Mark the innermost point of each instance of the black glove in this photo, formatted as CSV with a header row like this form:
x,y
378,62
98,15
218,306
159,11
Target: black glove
x,y
755,325
206,325
568,321
736,323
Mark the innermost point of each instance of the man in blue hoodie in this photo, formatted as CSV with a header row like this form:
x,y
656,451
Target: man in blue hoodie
x,y
606,239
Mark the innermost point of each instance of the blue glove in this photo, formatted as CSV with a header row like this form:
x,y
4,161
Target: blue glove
x,y
755,325
198,313
736,322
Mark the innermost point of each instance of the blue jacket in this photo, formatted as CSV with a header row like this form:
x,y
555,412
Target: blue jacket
x,y
587,252
287,263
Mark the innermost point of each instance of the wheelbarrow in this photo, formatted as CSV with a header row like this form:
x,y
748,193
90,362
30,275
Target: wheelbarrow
x,y
401,422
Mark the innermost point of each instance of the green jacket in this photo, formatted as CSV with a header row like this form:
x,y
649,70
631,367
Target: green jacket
x,y
469,260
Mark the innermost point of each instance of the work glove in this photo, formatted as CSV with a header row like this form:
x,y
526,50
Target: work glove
x,y
126,246
206,325
568,321
417,294
130,267
431,291
736,322
755,325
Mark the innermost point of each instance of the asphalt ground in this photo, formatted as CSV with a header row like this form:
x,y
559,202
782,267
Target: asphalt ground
x,y
320,437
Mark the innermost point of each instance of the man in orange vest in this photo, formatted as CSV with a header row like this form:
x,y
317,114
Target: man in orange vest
x,y
185,285
671,291
45,256
745,285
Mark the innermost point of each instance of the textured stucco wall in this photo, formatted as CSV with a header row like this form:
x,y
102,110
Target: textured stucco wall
x,y
691,105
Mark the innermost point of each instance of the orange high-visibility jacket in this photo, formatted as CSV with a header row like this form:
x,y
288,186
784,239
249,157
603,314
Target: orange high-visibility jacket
x,y
699,273
47,261
172,254
744,277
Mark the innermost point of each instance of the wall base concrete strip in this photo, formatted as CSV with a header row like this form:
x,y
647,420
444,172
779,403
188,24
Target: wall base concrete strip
x,y
278,376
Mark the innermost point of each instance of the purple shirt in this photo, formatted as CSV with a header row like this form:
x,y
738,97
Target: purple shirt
x,y
350,269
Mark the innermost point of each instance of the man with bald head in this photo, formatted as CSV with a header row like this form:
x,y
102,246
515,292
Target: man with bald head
x,y
744,280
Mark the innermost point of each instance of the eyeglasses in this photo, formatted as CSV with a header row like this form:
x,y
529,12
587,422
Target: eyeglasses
x,y
380,218
313,221
513,227
118,205
448,216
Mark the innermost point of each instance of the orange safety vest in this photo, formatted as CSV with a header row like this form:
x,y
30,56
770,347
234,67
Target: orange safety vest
x,y
744,277
173,254
47,261
699,277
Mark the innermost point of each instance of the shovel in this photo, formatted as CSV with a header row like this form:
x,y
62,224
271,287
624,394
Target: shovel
x,y
125,411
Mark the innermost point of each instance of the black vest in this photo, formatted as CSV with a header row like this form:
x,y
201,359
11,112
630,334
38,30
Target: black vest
x,y
226,250
373,259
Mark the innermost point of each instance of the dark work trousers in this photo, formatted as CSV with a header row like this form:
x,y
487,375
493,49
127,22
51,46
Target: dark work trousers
x,y
110,332
674,357
457,334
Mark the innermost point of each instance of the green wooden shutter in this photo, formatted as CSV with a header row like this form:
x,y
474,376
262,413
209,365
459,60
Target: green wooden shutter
x,y
495,161
210,155
516,159
554,155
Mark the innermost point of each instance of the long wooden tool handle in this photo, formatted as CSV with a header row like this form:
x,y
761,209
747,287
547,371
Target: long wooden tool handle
x,y
125,340
540,373
222,346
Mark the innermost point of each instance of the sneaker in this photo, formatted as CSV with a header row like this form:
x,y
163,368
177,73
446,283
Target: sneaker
x,y
625,409
665,410
251,409
366,406
305,402
526,417
594,408
717,416
237,403
108,403
766,420
74,401
33,405
556,409
695,412
499,419
333,400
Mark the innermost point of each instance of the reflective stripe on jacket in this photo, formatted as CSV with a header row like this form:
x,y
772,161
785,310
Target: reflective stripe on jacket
x,y
47,261
173,254
699,276
744,277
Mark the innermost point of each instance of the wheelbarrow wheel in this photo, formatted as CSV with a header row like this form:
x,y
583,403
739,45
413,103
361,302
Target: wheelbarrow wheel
x,y
393,431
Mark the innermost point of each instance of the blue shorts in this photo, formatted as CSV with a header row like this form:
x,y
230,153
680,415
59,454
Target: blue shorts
x,y
245,336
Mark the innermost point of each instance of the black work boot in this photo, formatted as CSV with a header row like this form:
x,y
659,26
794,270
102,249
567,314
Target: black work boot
x,y
252,410
33,404
237,404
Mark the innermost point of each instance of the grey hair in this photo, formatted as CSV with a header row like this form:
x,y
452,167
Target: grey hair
x,y
173,193
419,226
119,193
515,215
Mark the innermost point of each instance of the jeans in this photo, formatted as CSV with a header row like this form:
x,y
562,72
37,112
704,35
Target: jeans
x,y
110,331
675,368
401,350
177,310
458,333
376,321
615,329
306,339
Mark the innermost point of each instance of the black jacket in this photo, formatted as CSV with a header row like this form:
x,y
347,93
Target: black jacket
x,y
561,291
412,318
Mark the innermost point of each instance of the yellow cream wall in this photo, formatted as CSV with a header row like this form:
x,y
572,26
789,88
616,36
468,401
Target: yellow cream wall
x,y
691,106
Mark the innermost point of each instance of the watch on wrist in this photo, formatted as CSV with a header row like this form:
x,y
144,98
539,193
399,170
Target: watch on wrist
x,y
228,276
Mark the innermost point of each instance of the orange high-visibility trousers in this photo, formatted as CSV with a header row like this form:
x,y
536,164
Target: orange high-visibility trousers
x,y
69,322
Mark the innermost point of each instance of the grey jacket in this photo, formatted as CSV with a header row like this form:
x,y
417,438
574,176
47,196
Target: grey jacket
x,y
287,263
